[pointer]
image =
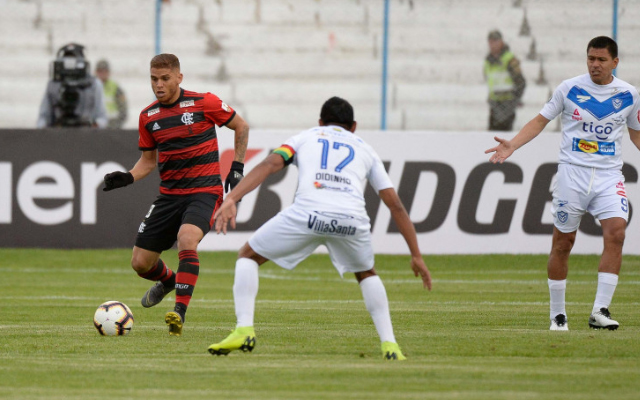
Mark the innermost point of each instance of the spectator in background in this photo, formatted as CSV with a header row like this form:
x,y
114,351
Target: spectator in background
x,y
73,97
506,83
115,100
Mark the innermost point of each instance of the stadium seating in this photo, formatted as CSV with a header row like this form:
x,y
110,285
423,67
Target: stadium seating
x,y
275,61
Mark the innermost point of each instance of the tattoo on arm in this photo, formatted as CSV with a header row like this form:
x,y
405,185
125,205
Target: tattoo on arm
x,y
241,141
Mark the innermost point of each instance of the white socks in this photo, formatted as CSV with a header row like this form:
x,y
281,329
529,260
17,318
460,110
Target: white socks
x,y
606,286
245,290
557,290
375,298
607,283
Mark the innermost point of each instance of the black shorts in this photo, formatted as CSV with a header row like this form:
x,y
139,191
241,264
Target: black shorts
x,y
159,229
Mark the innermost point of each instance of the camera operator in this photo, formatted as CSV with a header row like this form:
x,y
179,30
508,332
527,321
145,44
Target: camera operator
x,y
73,98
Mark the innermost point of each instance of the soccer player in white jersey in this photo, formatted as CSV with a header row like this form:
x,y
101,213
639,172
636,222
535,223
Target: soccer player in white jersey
x,y
595,107
329,209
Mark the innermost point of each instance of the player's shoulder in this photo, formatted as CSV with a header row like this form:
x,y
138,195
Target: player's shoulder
x,y
151,109
626,86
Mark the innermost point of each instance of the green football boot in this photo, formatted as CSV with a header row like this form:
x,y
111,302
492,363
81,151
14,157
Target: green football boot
x,y
391,351
243,338
175,323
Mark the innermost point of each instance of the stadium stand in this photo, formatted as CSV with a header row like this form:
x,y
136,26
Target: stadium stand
x,y
275,60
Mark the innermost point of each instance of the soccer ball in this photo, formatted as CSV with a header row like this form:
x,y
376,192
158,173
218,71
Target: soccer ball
x,y
113,318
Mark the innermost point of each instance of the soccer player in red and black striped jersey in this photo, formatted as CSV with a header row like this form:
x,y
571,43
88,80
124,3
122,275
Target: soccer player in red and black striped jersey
x,y
178,134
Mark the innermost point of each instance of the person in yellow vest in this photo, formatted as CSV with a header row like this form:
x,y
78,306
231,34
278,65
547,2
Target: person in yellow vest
x,y
115,99
506,83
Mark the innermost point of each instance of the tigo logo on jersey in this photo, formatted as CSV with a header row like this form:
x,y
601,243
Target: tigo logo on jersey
x,y
187,118
576,115
594,147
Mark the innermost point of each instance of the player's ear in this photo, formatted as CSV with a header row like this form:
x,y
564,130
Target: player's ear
x,y
353,127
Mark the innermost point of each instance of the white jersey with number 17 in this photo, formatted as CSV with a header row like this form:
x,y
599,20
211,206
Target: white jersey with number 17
x,y
593,120
333,168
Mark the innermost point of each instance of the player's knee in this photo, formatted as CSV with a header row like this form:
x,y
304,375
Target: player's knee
x,y
615,237
140,264
563,244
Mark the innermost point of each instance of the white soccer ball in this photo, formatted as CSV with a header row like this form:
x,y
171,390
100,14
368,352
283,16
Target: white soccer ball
x,y
113,318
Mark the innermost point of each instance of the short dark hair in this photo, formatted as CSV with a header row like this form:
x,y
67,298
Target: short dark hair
x,y
337,111
165,60
604,42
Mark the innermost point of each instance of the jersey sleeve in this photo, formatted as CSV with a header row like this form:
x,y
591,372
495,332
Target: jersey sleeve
x,y
633,120
289,148
378,177
555,105
216,111
145,139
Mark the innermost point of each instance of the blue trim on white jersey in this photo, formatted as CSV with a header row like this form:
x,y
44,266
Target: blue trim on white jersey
x,y
600,110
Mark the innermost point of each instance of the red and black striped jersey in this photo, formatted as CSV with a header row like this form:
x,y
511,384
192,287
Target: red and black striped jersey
x,y
185,135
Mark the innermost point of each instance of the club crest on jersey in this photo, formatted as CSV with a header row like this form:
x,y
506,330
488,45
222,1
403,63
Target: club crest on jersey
x,y
187,103
562,216
152,112
187,118
225,107
617,103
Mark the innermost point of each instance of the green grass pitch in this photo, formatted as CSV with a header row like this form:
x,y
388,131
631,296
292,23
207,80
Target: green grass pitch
x,y
482,333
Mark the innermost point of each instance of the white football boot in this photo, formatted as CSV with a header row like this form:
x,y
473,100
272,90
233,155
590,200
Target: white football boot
x,y
602,320
559,323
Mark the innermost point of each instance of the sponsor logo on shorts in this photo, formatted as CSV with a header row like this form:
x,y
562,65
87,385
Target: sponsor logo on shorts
x,y
562,203
594,147
141,227
562,216
332,227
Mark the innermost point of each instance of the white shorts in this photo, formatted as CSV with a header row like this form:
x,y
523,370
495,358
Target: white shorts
x,y
293,234
600,192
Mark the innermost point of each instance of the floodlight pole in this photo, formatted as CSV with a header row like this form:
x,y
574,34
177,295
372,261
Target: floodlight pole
x,y
614,29
158,24
385,44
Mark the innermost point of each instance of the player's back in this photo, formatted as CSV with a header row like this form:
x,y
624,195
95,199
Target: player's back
x,y
333,167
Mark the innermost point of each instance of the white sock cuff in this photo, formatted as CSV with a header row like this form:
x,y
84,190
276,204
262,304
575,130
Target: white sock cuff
x,y
246,263
608,278
557,285
372,280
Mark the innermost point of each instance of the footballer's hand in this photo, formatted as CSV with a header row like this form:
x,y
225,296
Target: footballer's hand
x,y
234,177
501,152
116,180
420,268
225,214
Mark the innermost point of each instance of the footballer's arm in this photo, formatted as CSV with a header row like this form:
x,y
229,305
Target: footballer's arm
x,y
408,231
144,166
635,137
227,211
241,138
